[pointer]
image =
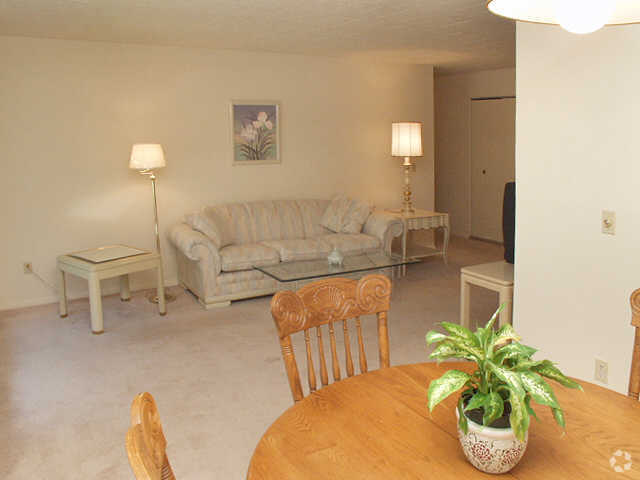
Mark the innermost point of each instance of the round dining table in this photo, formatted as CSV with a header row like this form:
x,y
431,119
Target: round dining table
x,y
377,426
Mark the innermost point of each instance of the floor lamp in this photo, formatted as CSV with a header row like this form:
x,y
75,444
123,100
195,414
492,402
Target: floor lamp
x,y
147,158
406,141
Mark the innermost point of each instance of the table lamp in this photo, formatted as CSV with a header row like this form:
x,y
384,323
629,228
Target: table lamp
x,y
146,158
406,141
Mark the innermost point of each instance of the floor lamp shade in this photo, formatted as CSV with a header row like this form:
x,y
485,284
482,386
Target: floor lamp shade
x,y
147,156
406,139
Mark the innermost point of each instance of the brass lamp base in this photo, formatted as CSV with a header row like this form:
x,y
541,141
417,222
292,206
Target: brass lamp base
x,y
407,205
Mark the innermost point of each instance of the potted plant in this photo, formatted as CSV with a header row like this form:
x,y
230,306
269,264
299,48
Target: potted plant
x,y
494,408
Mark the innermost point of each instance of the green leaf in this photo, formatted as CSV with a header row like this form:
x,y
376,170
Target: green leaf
x,y
474,351
482,334
461,332
433,336
540,390
549,370
527,403
448,350
513,350
476,401
464,425
504,334
559,416
493,408
492,320
512,379
525,365
519,418
444,386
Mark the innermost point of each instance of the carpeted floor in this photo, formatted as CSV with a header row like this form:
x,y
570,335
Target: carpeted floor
x,y
217,375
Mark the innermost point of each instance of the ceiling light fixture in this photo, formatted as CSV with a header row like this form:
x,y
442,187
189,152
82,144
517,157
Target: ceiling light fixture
x,y
575,16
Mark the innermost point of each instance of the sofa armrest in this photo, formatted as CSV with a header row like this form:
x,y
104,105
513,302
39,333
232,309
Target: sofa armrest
x,y
385,226
195,246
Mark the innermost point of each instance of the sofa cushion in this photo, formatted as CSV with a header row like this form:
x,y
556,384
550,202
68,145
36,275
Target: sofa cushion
x,y
345,215
352,243
355,217
335,213
215,223
245,257
300,248
311,212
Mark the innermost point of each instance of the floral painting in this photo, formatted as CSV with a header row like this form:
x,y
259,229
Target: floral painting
x,y
255,133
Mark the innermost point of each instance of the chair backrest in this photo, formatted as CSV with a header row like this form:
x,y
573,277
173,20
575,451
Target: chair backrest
x,y
146,444
634,378
323,303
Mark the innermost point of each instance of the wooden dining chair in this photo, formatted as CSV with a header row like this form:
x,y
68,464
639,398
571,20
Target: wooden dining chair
x,y
634,378
326,302
146,445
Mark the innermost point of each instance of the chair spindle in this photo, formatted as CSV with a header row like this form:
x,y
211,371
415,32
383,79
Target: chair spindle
x,y
361,355
324,377
334,354
311,374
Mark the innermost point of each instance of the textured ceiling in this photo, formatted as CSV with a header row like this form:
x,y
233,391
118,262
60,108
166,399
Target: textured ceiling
x,y
454,35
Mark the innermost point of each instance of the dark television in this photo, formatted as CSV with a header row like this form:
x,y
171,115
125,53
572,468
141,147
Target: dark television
x,y
509,220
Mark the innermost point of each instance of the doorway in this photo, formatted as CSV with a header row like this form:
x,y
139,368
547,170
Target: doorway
x,y
493,147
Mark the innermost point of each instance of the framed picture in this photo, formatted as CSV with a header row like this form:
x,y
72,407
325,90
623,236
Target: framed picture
x,y
255,132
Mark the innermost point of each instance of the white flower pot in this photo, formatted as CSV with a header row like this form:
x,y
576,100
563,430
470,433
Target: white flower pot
x,y
492,450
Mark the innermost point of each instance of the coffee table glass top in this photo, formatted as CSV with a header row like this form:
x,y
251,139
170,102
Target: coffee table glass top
x,y
308,269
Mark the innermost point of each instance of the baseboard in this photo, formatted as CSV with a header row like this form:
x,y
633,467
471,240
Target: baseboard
x,y
110,290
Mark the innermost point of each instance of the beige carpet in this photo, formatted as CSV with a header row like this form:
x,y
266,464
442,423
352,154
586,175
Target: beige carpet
x,y
217,375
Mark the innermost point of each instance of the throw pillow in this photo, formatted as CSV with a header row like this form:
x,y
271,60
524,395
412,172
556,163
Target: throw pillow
x,y
214,223
334,215
355,217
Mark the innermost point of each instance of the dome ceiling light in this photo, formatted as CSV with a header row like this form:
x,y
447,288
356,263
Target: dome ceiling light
x,y
575,16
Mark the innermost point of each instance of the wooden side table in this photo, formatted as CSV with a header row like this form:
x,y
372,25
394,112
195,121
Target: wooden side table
x,y
496,276
94,272
419,220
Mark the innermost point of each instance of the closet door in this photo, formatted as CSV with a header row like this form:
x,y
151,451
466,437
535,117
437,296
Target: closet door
x,y
493,133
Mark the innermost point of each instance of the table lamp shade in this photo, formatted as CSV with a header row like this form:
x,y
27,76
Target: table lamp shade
x,y
147,156
406,139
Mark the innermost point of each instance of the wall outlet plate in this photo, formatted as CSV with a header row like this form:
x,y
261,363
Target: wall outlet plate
x,y
608,222
602,371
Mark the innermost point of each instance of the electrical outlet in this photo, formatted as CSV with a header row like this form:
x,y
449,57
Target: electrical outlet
x,y
27,267
608,222
602,371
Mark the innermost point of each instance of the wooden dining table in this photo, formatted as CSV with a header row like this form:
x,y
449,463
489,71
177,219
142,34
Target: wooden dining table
x,y
377,426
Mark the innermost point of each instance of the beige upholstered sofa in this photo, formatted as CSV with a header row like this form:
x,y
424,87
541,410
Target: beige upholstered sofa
x,y
218,247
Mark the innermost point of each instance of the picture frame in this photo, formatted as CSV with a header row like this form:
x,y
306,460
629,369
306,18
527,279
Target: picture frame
x,y
255,132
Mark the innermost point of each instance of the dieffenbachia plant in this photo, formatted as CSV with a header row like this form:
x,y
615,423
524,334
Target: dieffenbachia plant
x,y
506,373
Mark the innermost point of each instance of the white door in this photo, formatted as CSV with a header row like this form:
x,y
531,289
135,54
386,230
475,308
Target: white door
x,y
493,150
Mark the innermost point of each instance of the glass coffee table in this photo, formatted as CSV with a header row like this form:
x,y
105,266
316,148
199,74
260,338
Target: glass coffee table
x,y
292,273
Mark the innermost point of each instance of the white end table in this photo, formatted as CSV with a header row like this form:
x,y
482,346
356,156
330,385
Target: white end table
x,y
417,220
94,272
496,276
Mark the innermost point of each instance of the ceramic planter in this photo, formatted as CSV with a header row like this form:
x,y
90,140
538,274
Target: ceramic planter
x,y
492,450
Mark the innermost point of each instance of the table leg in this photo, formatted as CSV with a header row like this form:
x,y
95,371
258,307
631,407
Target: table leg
x,y
404,248
125,291
465,297
445,245
162,308
506,297
62,289
95,301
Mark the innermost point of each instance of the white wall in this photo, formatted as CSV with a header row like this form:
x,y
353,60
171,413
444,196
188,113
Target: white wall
x,y
577,153
453,95
71,110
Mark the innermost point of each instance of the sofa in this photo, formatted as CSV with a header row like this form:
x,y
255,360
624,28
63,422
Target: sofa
x,y
218,246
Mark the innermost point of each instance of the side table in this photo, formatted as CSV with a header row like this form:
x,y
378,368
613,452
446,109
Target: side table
x,y
419,220
94,272
496,276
